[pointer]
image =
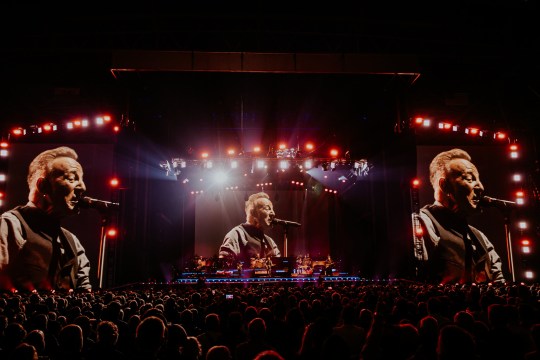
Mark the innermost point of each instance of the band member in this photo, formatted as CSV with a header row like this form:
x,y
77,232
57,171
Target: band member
x,y
455,251
328,265
268,264
239,268
248,240
36,253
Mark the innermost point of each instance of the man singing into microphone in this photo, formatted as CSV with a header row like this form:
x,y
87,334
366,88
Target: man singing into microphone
x,y
454,251
36,253
247,240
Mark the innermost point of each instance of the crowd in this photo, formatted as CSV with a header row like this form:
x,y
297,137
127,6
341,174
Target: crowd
x,y
392,320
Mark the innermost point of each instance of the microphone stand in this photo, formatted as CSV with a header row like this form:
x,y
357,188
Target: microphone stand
x,y
105,218
509,244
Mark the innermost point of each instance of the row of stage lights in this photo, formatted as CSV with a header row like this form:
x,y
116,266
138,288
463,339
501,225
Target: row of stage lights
x,y
447,126
71,125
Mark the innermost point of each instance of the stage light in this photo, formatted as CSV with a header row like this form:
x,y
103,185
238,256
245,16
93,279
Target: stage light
x,y
525,242
18,131
308,164
106,118
257,149
516,177
114,182
261,164
116,128
69,125
84,123
445,126
309,146
522,225
283,165
3,153
499,135
474,131
2,177
4,144
204,155
231,152
418,121
282,146
220,177
49,127
112,232
100,121
334,152
415,183
529,274
514,154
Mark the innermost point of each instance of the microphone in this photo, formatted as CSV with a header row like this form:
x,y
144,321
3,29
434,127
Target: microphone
x,y
285,222
101,205
487,201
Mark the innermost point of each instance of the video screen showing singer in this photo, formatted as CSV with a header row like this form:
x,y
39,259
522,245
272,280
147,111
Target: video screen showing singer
x,y
36,253
454,251
249,240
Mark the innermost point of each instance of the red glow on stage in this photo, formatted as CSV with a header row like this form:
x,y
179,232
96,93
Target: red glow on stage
x,y
334,152
514,147
419,120
106,118
114,182
4,144
257,149
116,128
520,193
499,135
310,146
525,242
204,155
415,183
282,146
112,232
419,231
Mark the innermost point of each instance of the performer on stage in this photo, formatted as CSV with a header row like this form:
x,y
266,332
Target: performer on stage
x,y
248,240
36,253
454,251
268,264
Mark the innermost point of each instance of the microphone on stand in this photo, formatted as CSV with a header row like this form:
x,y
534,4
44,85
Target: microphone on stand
x,y
101,205
487,201
285,222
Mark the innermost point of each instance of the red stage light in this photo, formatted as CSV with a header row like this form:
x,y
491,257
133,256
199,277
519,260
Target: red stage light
x,y
513,147
415,183
106,118
334,152
419,120
499,135
18,131
520,193
116,128
419,231
445,126
112,232
4,144
309,146
114,182
525,242
282,146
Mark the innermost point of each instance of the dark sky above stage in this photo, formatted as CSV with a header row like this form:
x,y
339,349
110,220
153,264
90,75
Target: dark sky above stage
x,y
478,64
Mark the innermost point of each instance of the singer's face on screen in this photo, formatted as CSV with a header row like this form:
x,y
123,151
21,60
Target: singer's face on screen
x,y
66,186
464,186
264,213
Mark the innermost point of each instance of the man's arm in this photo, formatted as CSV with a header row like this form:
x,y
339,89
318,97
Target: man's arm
x,y
83,273
495,262
230,248
11,238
